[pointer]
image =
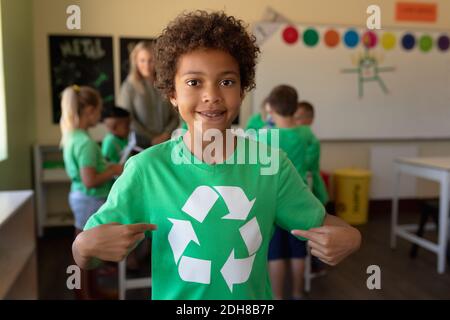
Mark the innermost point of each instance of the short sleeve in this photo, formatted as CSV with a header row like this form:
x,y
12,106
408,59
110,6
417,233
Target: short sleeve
x,y
297,207
109,150
87,154
126,96
123,204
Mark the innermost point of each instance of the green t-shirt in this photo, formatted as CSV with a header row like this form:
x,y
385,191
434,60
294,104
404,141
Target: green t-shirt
x,y
80,151
313,159
112,147
303,149
214,222
295,142
256,122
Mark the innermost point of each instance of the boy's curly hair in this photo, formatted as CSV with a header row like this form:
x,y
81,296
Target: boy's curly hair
x,y
200,29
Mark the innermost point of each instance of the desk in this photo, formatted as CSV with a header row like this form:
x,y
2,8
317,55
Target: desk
x,y
436,169
18,272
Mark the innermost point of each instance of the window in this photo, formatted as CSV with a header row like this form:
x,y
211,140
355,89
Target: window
x,y
3,133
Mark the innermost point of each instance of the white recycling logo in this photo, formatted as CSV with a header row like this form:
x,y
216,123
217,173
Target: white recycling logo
x,y
198,205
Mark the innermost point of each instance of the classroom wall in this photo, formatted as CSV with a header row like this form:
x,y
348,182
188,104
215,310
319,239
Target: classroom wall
x,y
147,18
17,24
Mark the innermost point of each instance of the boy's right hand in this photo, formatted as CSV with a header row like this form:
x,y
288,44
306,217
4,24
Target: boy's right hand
x,y
113,241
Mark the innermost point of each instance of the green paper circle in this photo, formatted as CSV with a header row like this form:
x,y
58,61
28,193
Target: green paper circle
x,y
310,37
426,43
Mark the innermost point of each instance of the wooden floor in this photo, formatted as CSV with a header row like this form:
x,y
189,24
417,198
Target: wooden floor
x,y
401,276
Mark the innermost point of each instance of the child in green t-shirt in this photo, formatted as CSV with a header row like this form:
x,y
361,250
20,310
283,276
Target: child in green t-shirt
x,y
261,119
117,121
304,116
205,194
285,250
91,177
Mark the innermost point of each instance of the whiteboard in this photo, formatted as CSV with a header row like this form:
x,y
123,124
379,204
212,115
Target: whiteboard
x,y
416,100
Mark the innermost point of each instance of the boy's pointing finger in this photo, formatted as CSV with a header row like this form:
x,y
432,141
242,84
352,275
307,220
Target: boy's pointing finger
x,y
141,227
308,234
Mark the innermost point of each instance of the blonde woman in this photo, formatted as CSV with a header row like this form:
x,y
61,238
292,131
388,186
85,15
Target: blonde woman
x,y
153,118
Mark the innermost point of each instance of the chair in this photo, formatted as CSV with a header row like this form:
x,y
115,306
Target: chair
x,y
428,208
126,284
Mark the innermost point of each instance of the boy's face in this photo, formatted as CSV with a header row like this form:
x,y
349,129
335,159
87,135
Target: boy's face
x,y
301,117
207,89
120,127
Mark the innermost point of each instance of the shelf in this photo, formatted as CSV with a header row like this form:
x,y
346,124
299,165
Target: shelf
x,y
55,176
59,219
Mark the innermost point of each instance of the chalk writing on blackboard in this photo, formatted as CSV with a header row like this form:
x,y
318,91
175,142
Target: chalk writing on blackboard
x,y
81,60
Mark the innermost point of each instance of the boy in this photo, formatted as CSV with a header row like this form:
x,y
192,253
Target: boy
x,y
285,250
262,119
214,217
117,121
304,116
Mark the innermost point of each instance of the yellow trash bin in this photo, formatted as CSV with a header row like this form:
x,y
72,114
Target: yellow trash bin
x,y
352,195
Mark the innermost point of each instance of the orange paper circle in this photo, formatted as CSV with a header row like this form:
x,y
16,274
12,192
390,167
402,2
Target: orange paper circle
x,y
331,38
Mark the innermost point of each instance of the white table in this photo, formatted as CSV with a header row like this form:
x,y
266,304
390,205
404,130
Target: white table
x,y
18,267
433,168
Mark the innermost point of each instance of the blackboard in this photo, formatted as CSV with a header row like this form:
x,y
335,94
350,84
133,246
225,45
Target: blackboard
x,y
81,60
126,46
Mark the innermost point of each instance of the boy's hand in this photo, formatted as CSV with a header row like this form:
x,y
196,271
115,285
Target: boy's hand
x,y
331,244
111,242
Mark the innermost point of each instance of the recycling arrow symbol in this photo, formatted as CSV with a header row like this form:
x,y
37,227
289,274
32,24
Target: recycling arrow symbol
x,y
198,205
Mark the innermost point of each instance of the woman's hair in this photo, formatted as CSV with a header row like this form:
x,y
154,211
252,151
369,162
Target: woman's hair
x,y
134,74
203,30
73,101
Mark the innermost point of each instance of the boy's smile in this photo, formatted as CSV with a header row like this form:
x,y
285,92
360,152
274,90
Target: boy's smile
x,y
207,89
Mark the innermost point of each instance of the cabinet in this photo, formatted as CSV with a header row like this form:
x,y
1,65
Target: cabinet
x,y
18,271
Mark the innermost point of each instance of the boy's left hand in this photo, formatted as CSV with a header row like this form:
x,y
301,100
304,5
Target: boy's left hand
x,y
331,244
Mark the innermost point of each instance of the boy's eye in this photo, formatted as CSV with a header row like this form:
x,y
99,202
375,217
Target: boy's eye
x,y
192,83
227,82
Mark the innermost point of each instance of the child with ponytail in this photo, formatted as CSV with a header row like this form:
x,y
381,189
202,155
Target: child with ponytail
x,y
91,178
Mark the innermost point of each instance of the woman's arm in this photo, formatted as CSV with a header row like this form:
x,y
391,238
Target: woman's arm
x,y
92,179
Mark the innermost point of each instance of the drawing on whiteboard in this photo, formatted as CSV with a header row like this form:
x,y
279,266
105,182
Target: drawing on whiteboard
x,y
368,70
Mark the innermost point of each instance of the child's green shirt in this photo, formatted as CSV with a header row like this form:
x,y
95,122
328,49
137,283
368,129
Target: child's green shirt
x,y
214,222
80,151
303,149
256,122
318,186
294,141
112,147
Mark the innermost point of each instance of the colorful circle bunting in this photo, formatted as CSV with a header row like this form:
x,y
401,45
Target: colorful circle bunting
x,y
290,35
370,39
311,37
408,41
331,38
388,41
443,43
426,43
351,38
